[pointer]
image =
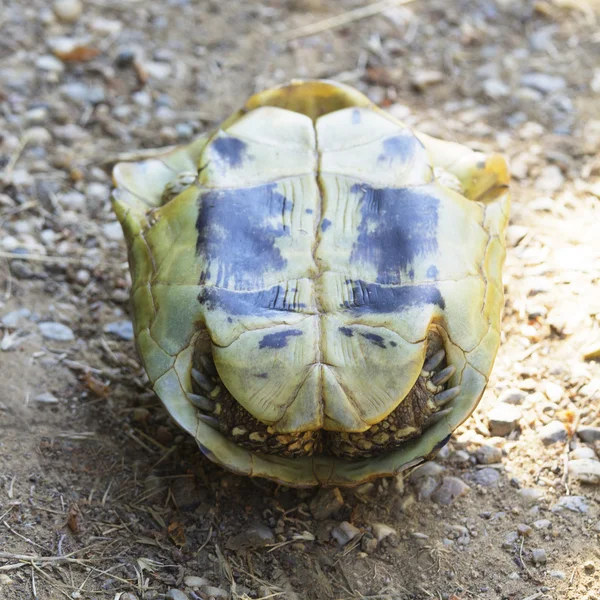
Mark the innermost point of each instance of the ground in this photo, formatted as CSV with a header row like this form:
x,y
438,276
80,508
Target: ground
x,y
101,496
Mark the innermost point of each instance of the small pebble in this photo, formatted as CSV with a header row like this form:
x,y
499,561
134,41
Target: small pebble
x,y
325,503
113,231
589,567
73,201
589,434
120,329
542,82
423,78
451,489
539,556
586,470
524,530
140,414
14,317
97,192
425,486
557,574
381,531
495,88
38,136
553,391
124,58
128,596
582,452
56,331
215,592
46,398
254,535
531,496
577,504
368,544
83,276
541,524
550,180
513,396
49,63
428,469
487,455
485,477
68,11
195,582
344,533
510,539
553,432
503,419
176,595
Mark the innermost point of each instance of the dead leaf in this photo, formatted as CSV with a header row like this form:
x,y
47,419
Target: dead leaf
x,y
96,386
77,53
177,533
74,518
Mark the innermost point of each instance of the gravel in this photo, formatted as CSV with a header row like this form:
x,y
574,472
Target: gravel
x,y
120,329
577,504
586,470
56,331
487,455
195,582
449,491
553,432
344,533
326,503
539,556
503,419
176,595
589,434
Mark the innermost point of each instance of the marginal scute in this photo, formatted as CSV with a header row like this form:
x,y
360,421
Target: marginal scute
x,y
307,246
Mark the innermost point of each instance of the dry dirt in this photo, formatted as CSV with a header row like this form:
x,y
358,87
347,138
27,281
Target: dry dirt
x,y
101,496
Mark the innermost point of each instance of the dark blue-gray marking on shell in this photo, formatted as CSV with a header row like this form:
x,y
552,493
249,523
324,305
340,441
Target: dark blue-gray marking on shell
x,y
279,339
237,231
356,116
346,331
399,147
432,272
248,303
325,224
230,150
397,225
375,339
376,298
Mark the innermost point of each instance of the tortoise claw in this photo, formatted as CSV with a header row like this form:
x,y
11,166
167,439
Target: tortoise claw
x,y
446,396
208,420
443,376
201,402
203,381
435,360
208,366
437,417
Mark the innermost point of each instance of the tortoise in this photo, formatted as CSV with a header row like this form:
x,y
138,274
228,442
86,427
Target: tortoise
x,y
316,287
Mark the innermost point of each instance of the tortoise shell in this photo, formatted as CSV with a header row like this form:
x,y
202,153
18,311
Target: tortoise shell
x,y
316,287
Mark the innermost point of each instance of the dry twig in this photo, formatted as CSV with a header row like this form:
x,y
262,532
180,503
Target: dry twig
x,y
345,18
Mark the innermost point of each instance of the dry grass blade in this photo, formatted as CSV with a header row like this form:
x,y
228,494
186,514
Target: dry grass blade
x,y
357,14
41,258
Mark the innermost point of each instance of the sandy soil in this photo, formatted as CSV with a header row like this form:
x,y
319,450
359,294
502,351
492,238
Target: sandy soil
x,y
101,496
